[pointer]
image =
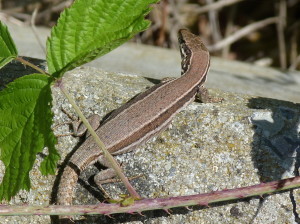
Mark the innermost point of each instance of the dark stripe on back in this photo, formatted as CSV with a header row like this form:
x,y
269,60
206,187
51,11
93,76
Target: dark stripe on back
x,y
154,124
132,101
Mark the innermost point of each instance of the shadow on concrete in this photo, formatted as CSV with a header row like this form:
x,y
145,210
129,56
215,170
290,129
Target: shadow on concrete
x,y
276,142
16,69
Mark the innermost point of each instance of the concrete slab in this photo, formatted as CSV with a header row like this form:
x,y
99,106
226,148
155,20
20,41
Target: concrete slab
x,y
158,63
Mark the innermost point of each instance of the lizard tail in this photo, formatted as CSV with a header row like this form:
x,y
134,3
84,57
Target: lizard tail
x,y
65,191
66,187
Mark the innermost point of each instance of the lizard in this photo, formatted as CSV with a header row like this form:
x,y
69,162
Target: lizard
x,y
144,116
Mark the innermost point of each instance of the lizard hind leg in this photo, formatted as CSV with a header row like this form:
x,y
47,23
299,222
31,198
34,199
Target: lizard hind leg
x,y
104,176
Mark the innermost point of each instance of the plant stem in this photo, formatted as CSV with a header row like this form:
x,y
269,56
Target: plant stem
x,y
20,59
101,145
159,203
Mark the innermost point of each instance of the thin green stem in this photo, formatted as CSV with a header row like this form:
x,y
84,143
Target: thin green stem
x,y
20,59
101,145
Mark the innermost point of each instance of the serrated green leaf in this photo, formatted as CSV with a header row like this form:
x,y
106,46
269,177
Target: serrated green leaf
x,y
49,164
91,28
25,128
8,50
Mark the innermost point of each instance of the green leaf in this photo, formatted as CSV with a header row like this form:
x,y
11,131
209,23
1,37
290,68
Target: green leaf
x,y
8,50
91,28
25,129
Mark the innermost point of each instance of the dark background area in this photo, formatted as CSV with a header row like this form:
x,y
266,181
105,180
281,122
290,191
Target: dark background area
x,y
265,32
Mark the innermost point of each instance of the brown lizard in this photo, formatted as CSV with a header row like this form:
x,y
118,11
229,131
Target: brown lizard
x,y
144,116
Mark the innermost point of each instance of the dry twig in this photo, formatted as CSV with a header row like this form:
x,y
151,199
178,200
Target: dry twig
x,y
242,32
280,33
214,22
214,6
34,30
229,30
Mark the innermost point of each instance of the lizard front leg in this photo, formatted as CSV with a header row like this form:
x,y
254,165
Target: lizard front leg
x,y
204,96
79,128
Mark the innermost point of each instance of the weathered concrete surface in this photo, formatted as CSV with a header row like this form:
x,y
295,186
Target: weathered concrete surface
x,y
240,142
